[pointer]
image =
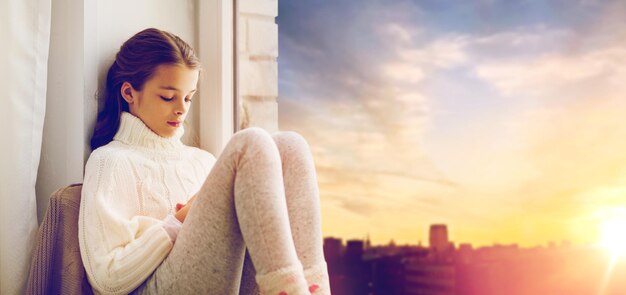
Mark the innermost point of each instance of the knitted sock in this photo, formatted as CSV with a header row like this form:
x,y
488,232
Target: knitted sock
x,y
317,278
284,281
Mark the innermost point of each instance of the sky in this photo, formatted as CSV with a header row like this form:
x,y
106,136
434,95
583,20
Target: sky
x,y
505,120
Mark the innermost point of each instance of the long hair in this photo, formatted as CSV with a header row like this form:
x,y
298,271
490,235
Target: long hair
x,y
135,63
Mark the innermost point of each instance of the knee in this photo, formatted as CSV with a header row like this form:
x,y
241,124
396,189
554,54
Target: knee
x,y
253,136
251,132
290,141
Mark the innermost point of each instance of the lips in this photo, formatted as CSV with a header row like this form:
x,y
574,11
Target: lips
x,y
174,123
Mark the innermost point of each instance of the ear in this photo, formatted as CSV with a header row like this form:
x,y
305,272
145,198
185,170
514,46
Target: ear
x,y
127,92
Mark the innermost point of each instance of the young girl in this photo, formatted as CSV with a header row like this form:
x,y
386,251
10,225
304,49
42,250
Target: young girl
x,y
160,217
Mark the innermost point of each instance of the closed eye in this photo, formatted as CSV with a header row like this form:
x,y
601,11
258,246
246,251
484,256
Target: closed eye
x,y
166,98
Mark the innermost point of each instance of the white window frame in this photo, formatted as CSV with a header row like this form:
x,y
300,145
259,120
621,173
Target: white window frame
x,y
217,87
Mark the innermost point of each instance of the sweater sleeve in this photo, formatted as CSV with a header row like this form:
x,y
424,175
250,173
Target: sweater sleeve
x,y
172,226
119,248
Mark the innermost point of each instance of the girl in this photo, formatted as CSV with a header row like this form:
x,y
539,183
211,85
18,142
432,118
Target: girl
x,y
160,217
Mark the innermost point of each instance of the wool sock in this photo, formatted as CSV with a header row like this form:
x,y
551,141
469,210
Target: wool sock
x,y
288,280
317,278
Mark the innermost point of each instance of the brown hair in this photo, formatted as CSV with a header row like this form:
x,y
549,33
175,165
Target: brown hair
x,y
135,63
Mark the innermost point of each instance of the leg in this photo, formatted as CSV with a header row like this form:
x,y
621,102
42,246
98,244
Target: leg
x,y
240,204
303,203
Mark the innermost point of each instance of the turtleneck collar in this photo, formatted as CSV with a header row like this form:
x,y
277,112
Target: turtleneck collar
x,y
134,132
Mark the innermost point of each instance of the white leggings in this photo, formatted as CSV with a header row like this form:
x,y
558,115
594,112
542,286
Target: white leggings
x,y
262,195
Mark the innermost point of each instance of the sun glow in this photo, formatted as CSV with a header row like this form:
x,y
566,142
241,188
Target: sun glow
x,y
614,236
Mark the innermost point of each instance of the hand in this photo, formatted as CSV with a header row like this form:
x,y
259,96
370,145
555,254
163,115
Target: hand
x,y
181,213
182,209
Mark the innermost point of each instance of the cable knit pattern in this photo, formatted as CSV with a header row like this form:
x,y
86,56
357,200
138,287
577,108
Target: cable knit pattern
x,y
130,186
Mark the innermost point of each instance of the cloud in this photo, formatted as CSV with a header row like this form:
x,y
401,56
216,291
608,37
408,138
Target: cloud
x,y
553,72
398,32
531,108
403,72
361,93
445,52
551,154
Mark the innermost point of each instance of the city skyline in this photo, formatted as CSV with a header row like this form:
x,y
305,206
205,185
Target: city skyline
x,y
426,243
356,267
501,119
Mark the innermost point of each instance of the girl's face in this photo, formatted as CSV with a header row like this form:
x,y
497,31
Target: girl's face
x,y
163,102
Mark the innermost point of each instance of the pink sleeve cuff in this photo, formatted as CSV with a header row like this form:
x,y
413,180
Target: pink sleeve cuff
x,y
172,226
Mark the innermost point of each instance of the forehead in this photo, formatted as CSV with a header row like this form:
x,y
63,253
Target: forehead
x,y
174,76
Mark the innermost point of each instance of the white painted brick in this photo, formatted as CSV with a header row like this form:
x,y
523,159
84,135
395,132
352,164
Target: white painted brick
x,y
262,37
258,75
242,34
256,113
263,7
258,78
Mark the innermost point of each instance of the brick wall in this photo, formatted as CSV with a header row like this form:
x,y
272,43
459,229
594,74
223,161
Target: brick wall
x,y
258,70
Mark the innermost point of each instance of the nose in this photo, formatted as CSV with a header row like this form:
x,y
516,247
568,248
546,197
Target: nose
x,y
181,107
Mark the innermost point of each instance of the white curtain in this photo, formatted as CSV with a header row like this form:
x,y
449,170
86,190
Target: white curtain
x,y
25,36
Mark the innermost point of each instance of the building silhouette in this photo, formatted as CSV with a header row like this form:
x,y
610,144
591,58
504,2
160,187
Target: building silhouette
x,y
438,238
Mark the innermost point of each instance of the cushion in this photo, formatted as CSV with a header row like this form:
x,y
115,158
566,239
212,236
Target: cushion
x,y
56,266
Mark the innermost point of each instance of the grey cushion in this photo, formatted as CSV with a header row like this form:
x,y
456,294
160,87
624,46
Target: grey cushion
x,y
56,266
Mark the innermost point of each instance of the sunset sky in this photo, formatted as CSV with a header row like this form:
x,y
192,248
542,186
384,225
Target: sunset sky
x,y
505,120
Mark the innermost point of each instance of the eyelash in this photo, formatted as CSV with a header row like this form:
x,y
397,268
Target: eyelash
x,y
170,98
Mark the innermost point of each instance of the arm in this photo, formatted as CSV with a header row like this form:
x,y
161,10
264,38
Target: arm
x,y
173,223
119,248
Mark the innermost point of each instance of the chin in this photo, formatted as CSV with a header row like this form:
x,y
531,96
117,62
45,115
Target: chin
x,y
167,135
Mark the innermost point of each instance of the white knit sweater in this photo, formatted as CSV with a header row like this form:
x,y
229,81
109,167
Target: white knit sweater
x,y
130,187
